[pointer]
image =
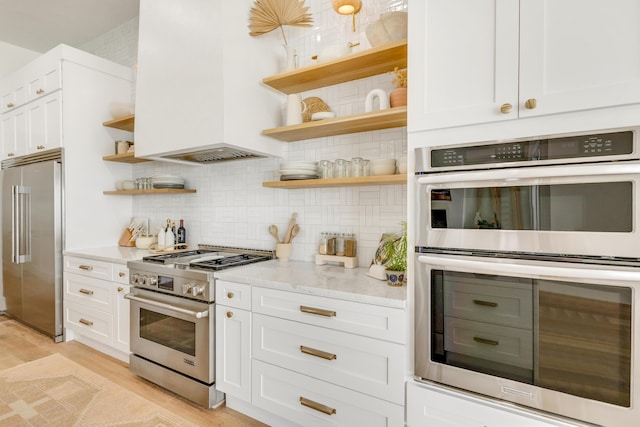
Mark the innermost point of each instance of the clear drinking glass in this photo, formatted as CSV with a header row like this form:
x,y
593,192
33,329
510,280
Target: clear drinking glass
x,y
325,167
357,166
339,168
366,167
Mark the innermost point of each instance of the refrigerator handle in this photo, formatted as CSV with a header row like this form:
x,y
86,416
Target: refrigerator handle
x,y
14,224
21,224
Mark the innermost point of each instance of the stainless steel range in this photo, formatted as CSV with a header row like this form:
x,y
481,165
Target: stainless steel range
x,y
173,314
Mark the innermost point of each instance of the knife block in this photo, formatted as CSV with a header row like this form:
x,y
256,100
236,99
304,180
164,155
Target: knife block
x,y
125,239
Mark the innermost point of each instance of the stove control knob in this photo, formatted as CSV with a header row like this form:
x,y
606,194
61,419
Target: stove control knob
x,y
197,290
186,288
134,278
152,281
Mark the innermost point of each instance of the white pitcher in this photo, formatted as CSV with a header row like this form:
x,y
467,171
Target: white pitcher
x,y
295,108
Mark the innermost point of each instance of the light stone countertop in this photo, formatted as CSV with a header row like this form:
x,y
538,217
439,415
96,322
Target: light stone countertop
x,y
114,254
351,284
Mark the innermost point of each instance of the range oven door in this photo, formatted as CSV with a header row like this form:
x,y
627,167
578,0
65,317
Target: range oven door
x,y
560,337
584,210
175,332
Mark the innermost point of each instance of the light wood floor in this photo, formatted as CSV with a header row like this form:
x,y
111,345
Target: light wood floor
x,y
19,344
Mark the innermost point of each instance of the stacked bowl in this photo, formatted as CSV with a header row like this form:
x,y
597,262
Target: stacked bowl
x,y
298,170
167,181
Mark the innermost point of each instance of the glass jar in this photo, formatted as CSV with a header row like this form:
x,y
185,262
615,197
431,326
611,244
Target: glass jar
x,y
350,245
331,244
322,246
340,244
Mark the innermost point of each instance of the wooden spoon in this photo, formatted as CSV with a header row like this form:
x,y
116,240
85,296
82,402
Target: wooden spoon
x,y
273,230
294,232
292,222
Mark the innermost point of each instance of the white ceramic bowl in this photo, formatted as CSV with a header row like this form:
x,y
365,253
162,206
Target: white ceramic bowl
x,y
128,185
383,167
143,241
120,109
119,185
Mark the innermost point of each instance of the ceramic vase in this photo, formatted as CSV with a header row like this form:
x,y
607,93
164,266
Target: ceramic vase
x,y
398,97
395,278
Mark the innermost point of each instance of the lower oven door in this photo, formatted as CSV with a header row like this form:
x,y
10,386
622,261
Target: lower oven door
x,y
175,332
557,336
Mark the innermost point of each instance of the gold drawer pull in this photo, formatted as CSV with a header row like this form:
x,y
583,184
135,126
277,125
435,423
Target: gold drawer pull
x,y
230,295
40,91
530,103
317,406
86,291
121,274
317,311
486,341
229,314
10,154
10,105
120,289
86,322
317,353
506,108
85,267
485,303
40,147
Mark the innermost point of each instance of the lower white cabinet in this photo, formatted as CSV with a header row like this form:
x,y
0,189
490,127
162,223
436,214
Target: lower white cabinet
x,y
314,403
96,312
311,360
432,406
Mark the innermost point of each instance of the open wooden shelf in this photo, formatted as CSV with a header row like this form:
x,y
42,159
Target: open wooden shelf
x,y
124,158
383,119
378,60
339,182
123,123
145,192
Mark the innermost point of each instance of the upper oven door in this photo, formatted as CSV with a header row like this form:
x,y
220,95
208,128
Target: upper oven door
x,y
569,209
174,332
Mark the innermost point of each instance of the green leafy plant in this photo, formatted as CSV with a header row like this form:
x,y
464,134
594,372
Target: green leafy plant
x,y
395,248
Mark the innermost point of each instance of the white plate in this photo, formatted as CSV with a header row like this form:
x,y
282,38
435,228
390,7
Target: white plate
x,y
298,172
298,165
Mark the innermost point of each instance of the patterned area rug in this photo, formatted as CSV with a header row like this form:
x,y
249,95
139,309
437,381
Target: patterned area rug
x,y
55,391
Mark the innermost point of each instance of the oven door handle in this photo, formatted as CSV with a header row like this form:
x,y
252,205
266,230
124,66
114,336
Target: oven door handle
x,y
523,270
517,174
196,314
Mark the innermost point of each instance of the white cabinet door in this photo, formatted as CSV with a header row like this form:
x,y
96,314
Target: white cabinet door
x,y
578,54
233,351
14,133
45,79
44,123
464,62
121,318
13,94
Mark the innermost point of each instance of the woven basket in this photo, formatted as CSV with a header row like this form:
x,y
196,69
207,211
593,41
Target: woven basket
x,y
314,105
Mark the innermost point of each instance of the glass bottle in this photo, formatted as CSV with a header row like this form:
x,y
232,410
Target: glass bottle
x,y
350,245
340,244
181,237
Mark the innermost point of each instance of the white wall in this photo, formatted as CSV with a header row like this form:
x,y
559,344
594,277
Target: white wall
x,y
13,57
232,208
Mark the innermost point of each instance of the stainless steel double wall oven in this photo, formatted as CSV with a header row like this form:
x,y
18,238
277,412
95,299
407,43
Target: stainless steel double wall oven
x,y
528,272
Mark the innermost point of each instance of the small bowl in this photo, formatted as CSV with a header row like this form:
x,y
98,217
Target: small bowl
x,y
143,241
383,167
402,165
119,185
128,185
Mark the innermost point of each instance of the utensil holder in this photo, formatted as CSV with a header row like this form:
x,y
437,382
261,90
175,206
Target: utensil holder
x,y
283,251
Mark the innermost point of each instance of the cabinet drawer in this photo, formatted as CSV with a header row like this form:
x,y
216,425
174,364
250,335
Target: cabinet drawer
x,y
89,267
232,294
358,318
499,305
431,406
89,322
120,274
313,403
490,342
360,363
88,291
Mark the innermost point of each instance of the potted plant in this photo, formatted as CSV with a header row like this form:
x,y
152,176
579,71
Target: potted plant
x,y
395,247
398,96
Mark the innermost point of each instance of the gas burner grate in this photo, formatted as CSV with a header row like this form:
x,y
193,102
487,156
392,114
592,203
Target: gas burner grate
x,y
227,262
171,257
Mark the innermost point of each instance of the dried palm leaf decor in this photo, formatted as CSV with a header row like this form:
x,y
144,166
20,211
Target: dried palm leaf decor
x,y
267,15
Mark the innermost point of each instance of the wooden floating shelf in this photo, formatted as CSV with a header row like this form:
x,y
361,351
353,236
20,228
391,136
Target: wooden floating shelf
x,y
356,181
123,123
145,192
383,119
125,158
355,66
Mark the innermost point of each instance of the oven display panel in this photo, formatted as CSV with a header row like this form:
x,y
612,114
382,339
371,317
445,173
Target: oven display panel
x,y
165,283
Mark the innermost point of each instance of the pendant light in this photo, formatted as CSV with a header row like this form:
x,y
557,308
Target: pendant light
x,y
348,7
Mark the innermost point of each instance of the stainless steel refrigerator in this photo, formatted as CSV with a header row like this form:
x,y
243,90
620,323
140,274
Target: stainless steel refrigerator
x,y
32,241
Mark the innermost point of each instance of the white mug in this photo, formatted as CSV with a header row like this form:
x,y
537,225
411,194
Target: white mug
x,y
122,147
295,108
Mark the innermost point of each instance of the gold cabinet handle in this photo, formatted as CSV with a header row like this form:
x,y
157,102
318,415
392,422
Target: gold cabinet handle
x,y
121,274
506,108
120,289
230,295
486,341
40,147
318,353
85,267
85,291
317,311
10,154
485,303
10,105
530,103
317,406
86,322
40,91
229,314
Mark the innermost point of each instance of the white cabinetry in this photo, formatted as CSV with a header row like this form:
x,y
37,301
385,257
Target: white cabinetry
x,y
233,339
429,405
491,60
95,310
198,90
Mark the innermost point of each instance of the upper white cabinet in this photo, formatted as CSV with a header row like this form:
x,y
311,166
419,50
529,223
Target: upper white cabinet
x,y
199,79
478,61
